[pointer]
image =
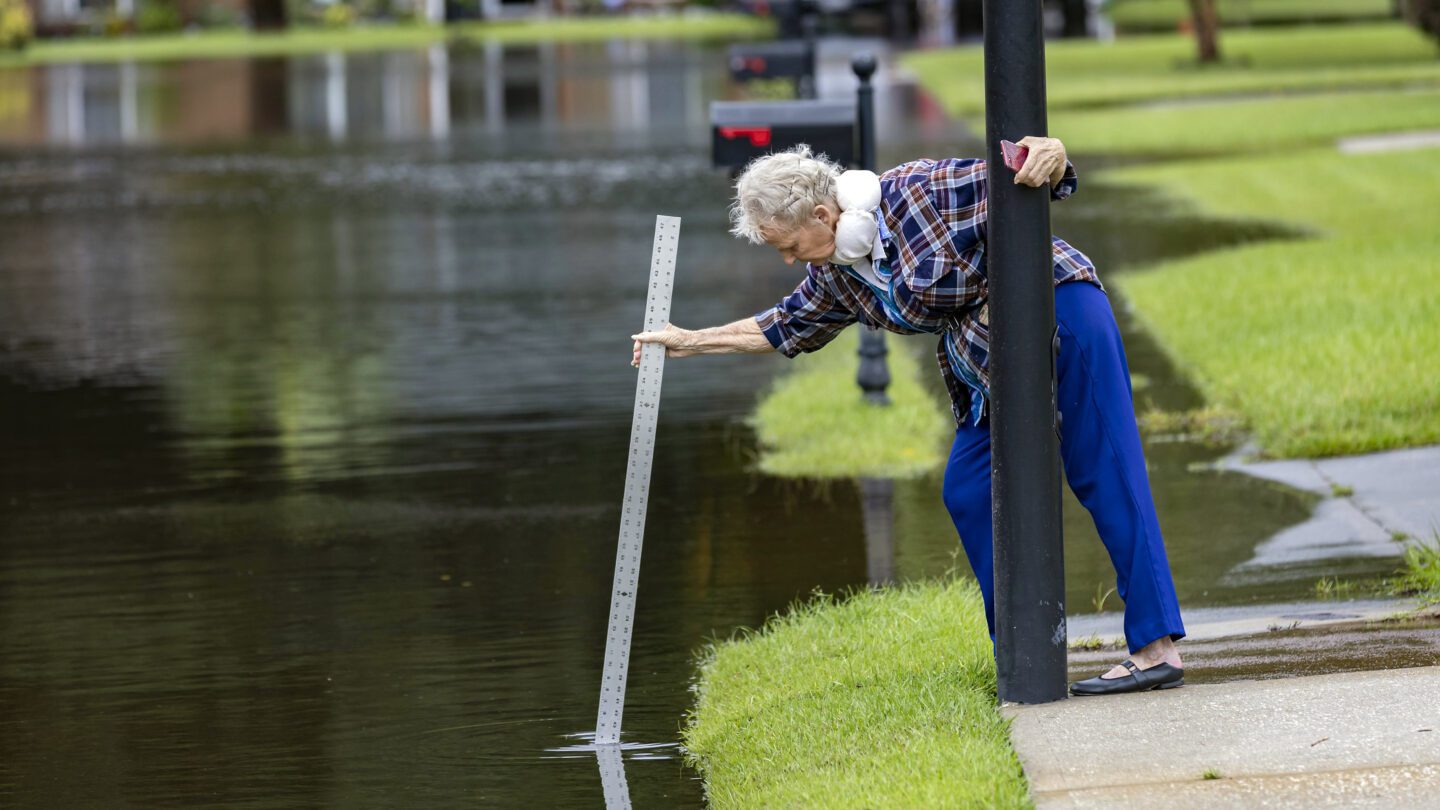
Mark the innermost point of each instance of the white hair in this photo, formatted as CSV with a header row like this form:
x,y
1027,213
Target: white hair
x,y
780,191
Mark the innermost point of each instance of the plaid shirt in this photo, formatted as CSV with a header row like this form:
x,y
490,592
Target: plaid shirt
x,y
933,230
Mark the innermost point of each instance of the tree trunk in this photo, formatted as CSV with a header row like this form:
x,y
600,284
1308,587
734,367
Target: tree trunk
x,y
1423,14
267,15
1207,30
1076,14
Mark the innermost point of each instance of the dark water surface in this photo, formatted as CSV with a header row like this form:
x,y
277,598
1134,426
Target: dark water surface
x,y
314,381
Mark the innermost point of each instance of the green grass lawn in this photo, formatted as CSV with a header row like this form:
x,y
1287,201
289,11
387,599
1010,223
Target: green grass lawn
x,y
814,423
886,699
221,44
1146,68
1323,345
1327,345
1167,14
1245,126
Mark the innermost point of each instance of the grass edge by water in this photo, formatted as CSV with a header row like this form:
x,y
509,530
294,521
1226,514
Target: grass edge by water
x,y
882,698
302,40
1418,577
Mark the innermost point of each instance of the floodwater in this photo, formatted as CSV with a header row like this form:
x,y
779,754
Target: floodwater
x,y
314,381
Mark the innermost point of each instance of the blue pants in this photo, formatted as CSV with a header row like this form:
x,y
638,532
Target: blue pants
x,y
1104,465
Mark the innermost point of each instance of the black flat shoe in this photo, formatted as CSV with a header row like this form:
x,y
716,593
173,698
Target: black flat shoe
x,y
1160,676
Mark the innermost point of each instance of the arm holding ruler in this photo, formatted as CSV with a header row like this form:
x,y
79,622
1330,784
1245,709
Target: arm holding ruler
x,y
740,337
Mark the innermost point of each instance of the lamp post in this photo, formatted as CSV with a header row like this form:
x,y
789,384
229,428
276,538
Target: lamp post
x,y
1025,450
874,373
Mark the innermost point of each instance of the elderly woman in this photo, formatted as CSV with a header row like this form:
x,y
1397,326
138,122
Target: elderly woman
x,y
905,251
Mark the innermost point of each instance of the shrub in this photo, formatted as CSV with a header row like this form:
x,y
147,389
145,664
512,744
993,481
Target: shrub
x,y
114,25
158,17
17,27
216,15
338,15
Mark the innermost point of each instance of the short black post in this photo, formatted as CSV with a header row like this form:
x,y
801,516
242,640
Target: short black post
x,y
805,84
901,25
790,19
874,374
1025,451
864,67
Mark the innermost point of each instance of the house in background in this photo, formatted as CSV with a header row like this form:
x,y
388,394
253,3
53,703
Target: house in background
x,y
60,17
64,16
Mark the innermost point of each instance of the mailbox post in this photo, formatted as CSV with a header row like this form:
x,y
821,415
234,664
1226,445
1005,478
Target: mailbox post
x,y
1030,645
741,131
783,59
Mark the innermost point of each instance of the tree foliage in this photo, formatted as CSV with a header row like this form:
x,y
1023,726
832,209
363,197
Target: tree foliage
x,y
16,25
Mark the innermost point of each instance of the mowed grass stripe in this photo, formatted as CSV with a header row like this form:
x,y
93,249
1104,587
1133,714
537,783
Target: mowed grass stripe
x,y
885,699
1168,14
239,43
1327,346
814,423
1083,74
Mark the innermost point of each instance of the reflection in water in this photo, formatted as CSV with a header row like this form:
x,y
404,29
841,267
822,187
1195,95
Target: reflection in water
x,y
612,777
336,106
877,504
625,87
610,758
494,89
438,64
65,105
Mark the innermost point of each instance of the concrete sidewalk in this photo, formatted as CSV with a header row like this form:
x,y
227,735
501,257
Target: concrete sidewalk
x,y
1353,740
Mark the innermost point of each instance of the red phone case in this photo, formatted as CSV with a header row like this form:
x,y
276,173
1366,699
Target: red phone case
x,y
1015,154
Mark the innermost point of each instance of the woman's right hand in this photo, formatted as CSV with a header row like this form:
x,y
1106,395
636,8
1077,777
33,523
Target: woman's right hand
x,y
673,338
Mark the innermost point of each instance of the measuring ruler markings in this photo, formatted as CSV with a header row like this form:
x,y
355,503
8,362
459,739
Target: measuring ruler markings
x,y
637,484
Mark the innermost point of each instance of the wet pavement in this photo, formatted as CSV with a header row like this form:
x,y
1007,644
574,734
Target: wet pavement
x,y
1282,641
1360,739
317,396
1374,503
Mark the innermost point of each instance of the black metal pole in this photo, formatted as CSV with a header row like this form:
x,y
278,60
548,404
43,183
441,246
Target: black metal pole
x,y
864,66
1025,450
805,85
874,373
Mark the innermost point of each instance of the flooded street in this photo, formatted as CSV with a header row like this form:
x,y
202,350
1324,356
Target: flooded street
x,y
314,374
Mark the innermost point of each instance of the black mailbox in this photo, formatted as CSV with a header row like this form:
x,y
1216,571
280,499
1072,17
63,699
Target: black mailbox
x,y
743,130
772,60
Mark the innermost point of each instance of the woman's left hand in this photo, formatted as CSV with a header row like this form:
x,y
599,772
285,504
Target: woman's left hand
x,y
1045,163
